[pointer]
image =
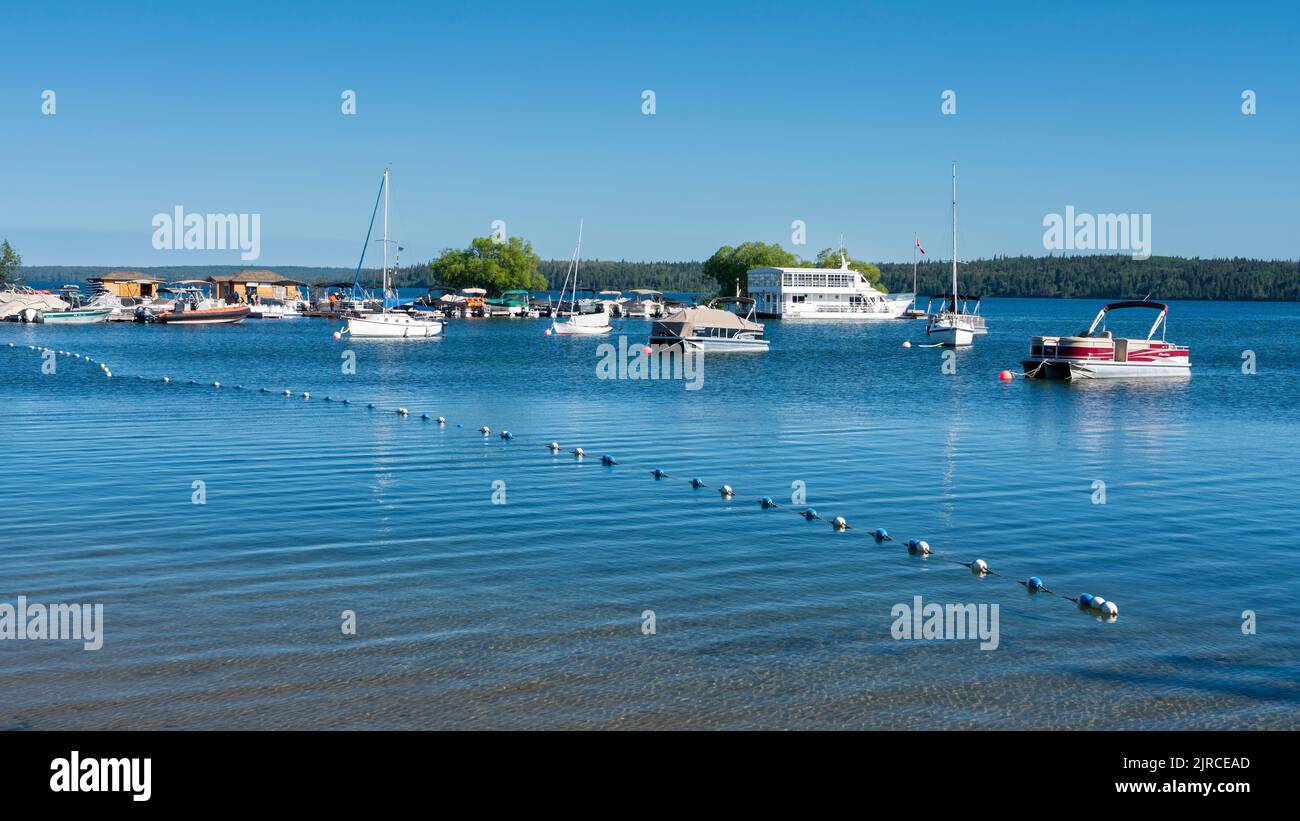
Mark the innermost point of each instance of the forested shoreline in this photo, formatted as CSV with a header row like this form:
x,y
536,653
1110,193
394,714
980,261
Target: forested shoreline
x,y
1083,276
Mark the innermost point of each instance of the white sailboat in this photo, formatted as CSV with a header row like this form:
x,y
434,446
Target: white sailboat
x,y
389,324
588,318
956,323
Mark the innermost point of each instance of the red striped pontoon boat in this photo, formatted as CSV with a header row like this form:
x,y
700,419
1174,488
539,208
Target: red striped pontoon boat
x,y
1097,354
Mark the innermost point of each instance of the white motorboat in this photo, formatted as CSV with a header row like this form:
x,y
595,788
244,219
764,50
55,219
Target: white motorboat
x,y
588,317
274,309
721,325
645,303
21,303
389,324
78,312
956,324
1099,354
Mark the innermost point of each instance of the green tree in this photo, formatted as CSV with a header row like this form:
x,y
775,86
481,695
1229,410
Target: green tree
x,y
728,265
10,262
494,266
830,258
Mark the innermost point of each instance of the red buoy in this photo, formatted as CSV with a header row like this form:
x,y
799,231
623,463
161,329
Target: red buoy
x,y
1005,376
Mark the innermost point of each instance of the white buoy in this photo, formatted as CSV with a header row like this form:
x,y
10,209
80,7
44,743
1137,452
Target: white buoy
x,y
1110,609
1098,603
442,420
288,392
555,447
306,395
485,430
167,379
577,452
840,523
979,567
726,491
402,411
108,373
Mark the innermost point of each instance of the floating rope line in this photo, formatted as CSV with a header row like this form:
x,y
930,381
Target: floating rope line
x,y
1097,605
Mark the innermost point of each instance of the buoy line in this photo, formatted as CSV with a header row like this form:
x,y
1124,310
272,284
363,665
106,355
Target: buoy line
x,y
1107,610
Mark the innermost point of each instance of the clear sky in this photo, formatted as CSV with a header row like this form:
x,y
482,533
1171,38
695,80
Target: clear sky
x,y
531,113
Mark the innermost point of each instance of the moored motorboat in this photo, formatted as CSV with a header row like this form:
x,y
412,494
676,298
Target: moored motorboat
x,y
1098,354
78,312
730,327
192,306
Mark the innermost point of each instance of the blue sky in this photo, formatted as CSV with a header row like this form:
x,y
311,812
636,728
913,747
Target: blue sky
x,y
765,113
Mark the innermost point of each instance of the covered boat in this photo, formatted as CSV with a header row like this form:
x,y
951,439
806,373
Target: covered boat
x,y
1098,354
712,328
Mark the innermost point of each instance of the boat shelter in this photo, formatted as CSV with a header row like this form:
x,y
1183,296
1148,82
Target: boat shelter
x,y
127,283
254,285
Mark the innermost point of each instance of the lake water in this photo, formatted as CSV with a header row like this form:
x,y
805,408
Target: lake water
x,y
529,614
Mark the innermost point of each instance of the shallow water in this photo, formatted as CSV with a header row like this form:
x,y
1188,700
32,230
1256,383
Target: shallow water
x,y
528,614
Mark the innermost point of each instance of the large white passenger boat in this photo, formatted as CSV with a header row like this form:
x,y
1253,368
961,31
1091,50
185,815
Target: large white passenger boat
x,y
821,293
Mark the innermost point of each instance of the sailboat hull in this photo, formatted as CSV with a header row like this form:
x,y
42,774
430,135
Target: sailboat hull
x,y
393,326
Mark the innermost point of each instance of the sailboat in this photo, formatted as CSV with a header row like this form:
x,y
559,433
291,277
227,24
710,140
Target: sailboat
x,y
388,324
956,323
589,317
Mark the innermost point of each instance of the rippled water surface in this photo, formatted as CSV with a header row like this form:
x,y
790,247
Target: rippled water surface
x,y
529,614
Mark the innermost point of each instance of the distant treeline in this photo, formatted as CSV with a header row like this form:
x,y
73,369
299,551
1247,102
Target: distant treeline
x,y
1106,277
1084,275
600,275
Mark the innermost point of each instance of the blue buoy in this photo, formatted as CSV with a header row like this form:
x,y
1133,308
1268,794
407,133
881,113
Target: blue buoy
x,y
696,483
766,502
507,435
370,406
424,417
1085,599
346,402
1034,584
882,535
658,474
607,460
918,546
809,514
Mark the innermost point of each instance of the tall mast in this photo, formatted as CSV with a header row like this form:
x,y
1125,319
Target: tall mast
x,y
384,280
916,243
577,258
954,235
